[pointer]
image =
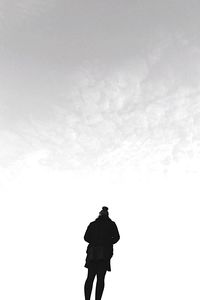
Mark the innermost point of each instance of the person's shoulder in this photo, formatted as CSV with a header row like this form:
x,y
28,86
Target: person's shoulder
x,y
113,223
110,221
91,223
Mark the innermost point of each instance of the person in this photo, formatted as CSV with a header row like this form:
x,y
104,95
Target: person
x,y
101,234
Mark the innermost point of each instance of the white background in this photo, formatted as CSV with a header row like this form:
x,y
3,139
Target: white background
x,y
99,105
44,216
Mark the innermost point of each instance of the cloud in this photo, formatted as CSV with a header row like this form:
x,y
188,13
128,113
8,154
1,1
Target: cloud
x,y
143,113
13,147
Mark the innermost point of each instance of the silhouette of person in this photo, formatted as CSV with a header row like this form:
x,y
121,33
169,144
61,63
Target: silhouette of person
x,y
101,234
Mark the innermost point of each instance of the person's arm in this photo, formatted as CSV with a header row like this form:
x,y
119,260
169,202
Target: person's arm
x,y
115,234
87,236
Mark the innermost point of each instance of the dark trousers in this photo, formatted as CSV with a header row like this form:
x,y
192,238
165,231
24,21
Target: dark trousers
x,y
99,269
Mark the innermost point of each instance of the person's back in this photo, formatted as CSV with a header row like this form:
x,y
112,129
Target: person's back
x,y
101,234
102,231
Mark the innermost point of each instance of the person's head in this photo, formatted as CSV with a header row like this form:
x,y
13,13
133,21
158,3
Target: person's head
x,y
104,212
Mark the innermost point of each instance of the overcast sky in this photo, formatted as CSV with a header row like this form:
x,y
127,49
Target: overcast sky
x,y
99,105
100,82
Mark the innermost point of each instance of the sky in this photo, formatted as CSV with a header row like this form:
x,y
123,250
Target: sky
x,y
99,104
83,81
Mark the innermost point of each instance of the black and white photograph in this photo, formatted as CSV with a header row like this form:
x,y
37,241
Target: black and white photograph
x,y
99,149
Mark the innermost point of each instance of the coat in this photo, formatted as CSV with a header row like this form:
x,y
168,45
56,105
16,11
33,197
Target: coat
x,y
101,234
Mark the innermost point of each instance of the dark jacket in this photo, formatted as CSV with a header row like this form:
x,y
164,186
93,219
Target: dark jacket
x,y
102,232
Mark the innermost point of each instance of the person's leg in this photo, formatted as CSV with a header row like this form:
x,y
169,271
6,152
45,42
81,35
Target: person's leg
x,y
100,283
89,283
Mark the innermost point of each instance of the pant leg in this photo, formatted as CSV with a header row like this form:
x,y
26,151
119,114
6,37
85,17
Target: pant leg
x,y
101,272
89,283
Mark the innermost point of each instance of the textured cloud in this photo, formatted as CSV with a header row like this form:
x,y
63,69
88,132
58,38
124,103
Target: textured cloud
x,y
93,93
144,114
